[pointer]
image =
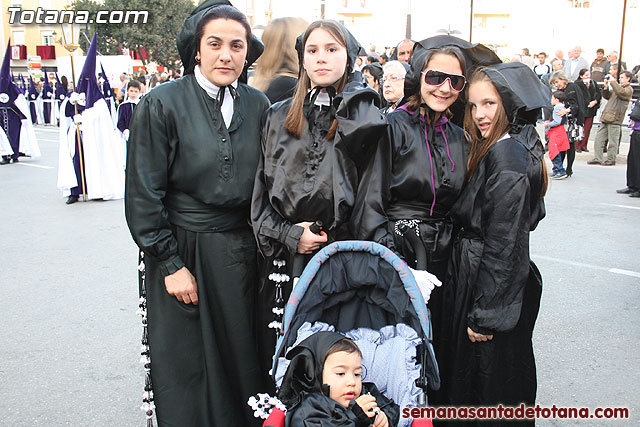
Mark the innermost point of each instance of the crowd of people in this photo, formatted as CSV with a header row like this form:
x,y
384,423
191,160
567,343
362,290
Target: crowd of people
x,y
231,166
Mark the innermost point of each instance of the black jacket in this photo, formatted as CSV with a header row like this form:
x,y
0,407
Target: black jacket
x,y
400,180
318,410
576,102
311,178
185,168
498,208
591,93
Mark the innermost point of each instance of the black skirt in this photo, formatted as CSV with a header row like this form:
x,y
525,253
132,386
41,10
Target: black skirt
x,y
204,360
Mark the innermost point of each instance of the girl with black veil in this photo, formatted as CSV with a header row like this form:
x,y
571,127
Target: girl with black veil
x,y
493,294
313,146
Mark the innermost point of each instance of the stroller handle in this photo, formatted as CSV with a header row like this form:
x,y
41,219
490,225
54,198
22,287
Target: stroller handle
x,y
417,245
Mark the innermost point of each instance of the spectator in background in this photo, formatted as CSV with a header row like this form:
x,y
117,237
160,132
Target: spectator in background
x,y
526,58
403,51
277,71
164,77
591,96
574,112
372,75
633,163
393,83
618,96
613,60
516,58
542,68
372,52
383,59
560,56
600,66
575,63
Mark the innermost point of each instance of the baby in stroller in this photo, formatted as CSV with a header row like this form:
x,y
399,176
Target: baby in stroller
x,y
323,386
365,292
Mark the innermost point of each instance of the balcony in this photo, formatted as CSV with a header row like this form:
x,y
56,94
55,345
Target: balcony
x,y
46,52
19,52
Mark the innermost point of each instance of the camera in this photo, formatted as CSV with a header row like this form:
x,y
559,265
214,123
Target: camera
x,y
608,77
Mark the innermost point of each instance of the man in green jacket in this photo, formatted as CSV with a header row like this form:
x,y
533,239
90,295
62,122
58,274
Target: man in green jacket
x,y
618,96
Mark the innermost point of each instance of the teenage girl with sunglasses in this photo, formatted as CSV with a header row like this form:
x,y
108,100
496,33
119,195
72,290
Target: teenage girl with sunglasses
x,y
420,168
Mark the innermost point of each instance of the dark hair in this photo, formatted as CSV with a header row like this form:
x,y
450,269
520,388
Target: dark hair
x,y
582,72
222,12
600,50
415,100
295,116
384,56
344,344
134,83
142,79
372,59
559,95
628,74
543,53
376,72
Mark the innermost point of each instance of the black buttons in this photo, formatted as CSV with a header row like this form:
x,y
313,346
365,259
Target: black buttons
x,y
226,158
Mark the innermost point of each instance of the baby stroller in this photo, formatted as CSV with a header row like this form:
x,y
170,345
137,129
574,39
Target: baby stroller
x,y
363,290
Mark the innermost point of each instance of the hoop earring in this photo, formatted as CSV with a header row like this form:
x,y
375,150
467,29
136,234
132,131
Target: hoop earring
x,y
246,62
197,59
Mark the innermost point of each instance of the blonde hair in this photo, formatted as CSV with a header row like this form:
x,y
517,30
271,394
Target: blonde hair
x,y
279,57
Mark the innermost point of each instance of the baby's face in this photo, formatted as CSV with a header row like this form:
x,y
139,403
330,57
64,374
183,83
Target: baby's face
x,y
343,374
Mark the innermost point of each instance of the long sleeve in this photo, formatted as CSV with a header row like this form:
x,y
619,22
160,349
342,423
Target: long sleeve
x,y
360,122
369,220
149,155
269,226
504,267
622,92
557,120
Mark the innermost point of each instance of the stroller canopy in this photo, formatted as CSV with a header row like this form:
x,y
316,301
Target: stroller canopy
x,y
355,284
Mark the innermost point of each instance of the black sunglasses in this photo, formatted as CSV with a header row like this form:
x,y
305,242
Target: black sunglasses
x,y
437,78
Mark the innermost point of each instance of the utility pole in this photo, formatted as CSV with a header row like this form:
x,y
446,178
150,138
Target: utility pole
x,y
471,23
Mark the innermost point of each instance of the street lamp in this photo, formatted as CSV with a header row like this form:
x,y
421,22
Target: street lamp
x,y
70,41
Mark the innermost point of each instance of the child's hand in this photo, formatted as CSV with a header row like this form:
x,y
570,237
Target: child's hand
x,y
382,420
367,403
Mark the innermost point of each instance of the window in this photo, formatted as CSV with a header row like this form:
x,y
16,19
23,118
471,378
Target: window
x,y
47,37
18,37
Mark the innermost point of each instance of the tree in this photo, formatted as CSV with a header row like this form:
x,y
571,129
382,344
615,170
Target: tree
x,y
157,37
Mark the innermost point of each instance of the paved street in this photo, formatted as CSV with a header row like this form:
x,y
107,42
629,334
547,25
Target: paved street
x,y
70,339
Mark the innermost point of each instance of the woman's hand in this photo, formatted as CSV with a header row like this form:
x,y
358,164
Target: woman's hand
x,y
183,286
476,337
592,103
367,402
310,242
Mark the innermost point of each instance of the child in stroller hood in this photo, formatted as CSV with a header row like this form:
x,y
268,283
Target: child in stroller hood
x,y
323,386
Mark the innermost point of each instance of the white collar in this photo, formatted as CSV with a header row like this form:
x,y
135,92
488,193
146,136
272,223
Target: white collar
x,y
212,90
322,98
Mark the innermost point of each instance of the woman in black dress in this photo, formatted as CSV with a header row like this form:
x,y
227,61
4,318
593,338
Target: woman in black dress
x,y
191,162
493,294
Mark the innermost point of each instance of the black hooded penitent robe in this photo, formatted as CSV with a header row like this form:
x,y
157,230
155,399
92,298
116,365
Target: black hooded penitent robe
x,y
187,202
310,178
494,287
